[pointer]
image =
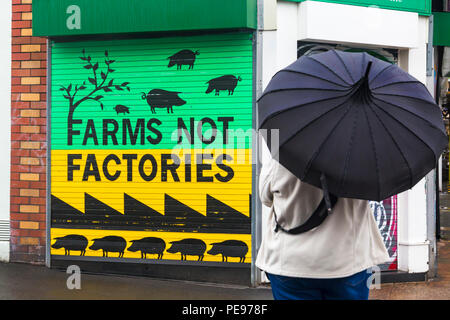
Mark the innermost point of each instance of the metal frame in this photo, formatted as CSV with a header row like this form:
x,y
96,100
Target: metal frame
x,y
256,203
48,163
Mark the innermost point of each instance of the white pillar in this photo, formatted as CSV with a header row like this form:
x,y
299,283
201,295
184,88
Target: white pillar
x,y
5,125
413,252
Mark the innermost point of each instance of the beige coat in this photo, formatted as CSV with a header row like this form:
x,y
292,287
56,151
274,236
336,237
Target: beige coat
x,y
347,242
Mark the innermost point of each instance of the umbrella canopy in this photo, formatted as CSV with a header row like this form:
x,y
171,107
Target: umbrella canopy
x,y
370,128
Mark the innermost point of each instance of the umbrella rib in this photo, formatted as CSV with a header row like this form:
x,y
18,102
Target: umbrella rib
x,y
395,142
347,157
404,109
390,84
298,105
402,95
311,75
343,63
377,169
376,76
406,127
329,70
363,63
293,89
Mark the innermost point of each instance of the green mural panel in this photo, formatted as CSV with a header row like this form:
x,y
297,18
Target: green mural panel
x,y
136,67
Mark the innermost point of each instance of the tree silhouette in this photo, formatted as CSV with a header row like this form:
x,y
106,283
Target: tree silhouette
x,y
99,84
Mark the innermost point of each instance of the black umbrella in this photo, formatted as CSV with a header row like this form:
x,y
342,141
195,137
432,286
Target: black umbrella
x,y
369,128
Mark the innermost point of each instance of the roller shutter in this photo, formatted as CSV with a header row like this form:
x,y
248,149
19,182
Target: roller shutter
x,y
151,150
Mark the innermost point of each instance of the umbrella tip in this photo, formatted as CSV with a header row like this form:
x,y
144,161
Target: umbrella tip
x,y
369,65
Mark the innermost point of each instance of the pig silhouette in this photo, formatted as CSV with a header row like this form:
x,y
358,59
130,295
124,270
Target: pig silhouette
x,y
121,109
229,248
227,82
159,98
70,242
188,247
183,57
109,244
148,245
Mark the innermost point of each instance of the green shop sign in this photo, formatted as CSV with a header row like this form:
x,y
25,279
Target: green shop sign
x,y
441,26
89,17
422,7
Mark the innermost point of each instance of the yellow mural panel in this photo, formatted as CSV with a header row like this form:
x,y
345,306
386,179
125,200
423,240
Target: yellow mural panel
x,y
147,177
207,247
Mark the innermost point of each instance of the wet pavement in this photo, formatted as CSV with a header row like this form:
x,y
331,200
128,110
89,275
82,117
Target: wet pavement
x,y
434,289
22,281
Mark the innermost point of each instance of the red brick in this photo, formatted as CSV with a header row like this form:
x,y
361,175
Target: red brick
x,y
21,56
41,201
20,136
20,200
16,80
14,224
38,88
15,48
21,24
19,152
14,210
39,55
38,105
21,40
38,153
20,73
21,105
20,89
21,121
20,168
39,40
17,16
38,185
21,8
15,160
38,169
19,185
36,233
15,129
38,72
16,32
40,136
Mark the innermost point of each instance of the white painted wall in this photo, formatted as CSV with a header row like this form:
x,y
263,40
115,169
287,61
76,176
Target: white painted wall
x,y
5,118
361,27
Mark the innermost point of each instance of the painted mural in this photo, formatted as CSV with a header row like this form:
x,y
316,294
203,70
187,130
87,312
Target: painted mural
x,y
151,149
385,213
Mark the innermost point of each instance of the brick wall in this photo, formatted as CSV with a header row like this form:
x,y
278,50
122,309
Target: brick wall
x,y
28,138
